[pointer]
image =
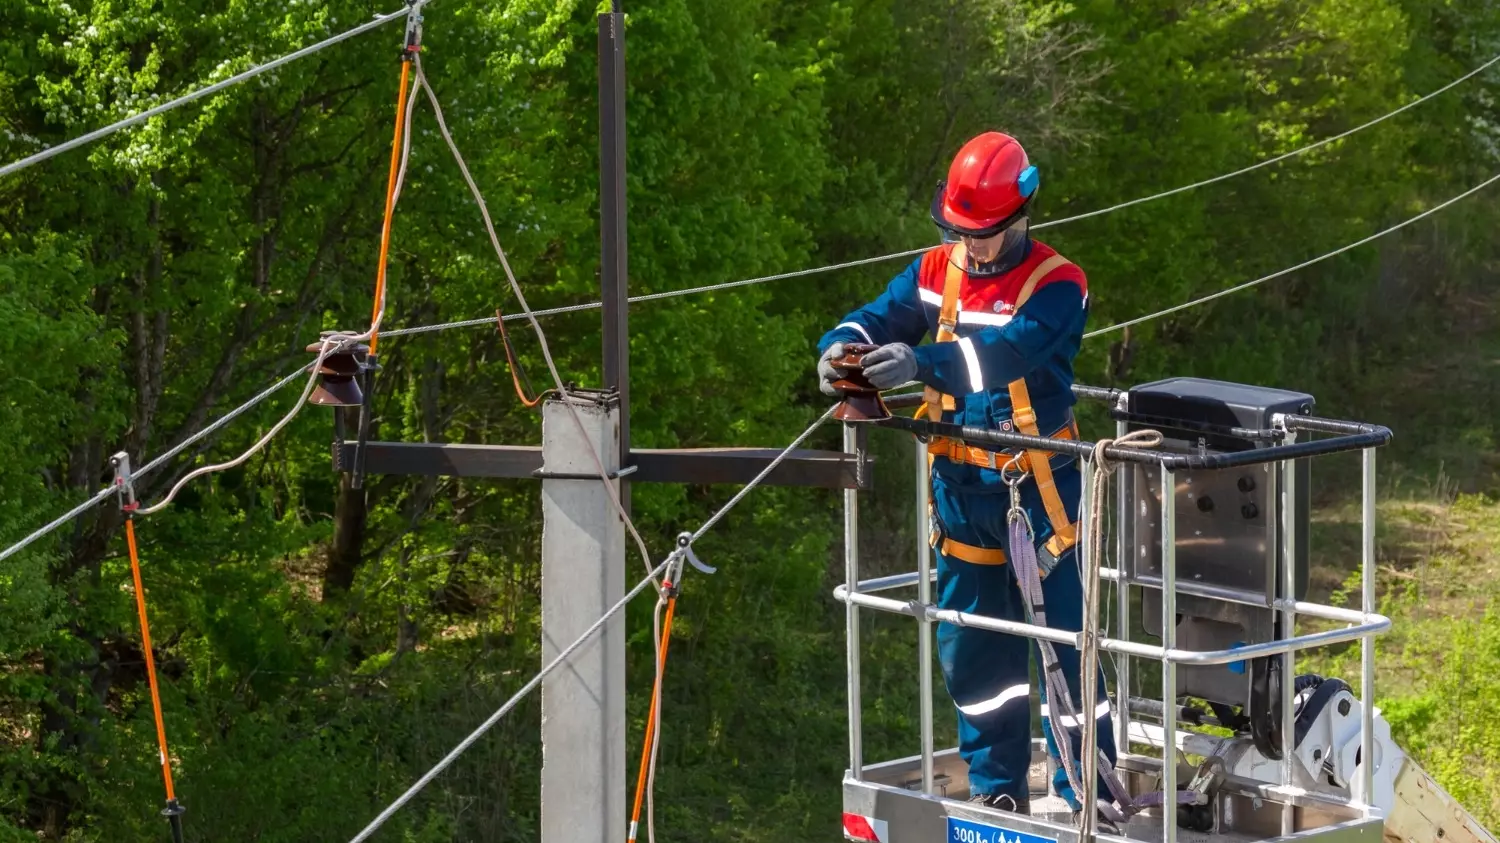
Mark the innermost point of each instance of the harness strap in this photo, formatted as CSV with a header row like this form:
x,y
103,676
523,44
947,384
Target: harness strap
x,y
968,552
958,451
948,317
936,402
1046,266
983,555
1064,532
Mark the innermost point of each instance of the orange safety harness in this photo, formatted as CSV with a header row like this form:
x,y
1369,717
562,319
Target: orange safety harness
x,y
1034,462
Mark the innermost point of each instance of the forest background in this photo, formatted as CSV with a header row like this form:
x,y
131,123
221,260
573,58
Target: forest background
x,y
320,648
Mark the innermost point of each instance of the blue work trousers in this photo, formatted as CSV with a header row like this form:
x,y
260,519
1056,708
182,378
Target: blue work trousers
x,y
986,672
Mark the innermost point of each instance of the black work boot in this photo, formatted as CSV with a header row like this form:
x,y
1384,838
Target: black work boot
x,y
1003,801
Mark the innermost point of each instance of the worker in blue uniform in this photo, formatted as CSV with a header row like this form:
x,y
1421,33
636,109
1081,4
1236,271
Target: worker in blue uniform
x,y
1008,315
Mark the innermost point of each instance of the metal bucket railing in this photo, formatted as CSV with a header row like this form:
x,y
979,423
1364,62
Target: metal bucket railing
x,y
1364,624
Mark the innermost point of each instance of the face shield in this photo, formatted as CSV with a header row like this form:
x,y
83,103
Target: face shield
x,y
996,254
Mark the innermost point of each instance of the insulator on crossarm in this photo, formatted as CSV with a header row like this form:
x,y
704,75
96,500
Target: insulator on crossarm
x,y
338,382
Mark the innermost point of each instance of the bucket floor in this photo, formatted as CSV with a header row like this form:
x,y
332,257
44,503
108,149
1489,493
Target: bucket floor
x,y
1054,809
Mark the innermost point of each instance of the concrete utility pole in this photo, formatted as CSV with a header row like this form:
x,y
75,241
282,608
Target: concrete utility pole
x,y
583,574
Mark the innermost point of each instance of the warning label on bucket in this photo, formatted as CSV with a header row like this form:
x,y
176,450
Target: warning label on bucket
x,y
968,831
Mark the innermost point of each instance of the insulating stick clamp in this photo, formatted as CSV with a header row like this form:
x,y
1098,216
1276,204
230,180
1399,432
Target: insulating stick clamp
x,y
124,482
413,29
685,543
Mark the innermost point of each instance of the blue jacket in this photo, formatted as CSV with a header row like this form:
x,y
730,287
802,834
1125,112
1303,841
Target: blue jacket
x,y
996,343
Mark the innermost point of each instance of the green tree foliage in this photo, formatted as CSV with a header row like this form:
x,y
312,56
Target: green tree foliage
x,y
320,646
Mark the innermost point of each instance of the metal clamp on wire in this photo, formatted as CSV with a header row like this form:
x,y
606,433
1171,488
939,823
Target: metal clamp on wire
x,y
124,482
683,552
413,29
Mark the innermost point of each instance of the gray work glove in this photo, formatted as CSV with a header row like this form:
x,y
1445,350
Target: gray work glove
x,y
890,365
826,373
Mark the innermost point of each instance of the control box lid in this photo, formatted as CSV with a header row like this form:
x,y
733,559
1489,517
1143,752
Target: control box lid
x,y
1217,403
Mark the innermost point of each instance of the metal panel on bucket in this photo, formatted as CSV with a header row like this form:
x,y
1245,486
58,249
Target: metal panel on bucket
x,y
1228,522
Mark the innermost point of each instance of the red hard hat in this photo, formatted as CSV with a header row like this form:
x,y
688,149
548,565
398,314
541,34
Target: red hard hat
x,y
989,187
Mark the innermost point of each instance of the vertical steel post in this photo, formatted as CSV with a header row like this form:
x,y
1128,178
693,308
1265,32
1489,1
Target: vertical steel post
x,y
1367,643
851,612
924,626
1122,599
1289,493
1168,643
613,254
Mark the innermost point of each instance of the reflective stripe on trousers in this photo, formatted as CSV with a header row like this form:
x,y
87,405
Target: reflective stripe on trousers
x,y
988,673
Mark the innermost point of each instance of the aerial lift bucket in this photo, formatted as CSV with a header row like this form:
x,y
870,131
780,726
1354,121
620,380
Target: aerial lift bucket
x,y
1217,571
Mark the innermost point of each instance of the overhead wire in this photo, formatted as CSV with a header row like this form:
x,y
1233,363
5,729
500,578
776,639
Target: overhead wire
x,y
341,341
1090,335
575,308
37,158
1284,156
107,492
1261,280
578,308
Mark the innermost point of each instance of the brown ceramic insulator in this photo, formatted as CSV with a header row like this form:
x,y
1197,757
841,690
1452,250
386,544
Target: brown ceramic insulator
x,y
337,384
337,392
862,402
861,407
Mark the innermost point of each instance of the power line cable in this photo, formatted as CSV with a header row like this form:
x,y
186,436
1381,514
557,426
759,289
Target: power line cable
x,y
575,308
332,343
380,20
1429,212
1269,161
1340,250
335,341
109,491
